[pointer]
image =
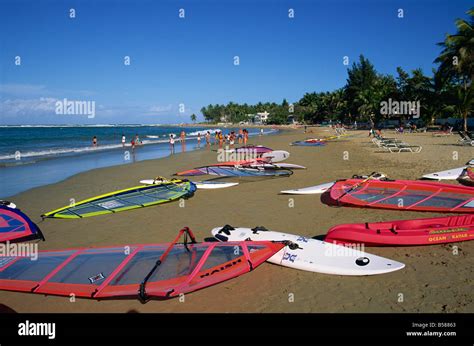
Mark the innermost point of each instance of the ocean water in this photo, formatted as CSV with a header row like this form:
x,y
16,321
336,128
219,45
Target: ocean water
x,y
32,156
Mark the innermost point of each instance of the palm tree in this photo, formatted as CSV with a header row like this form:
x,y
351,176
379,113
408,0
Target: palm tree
x,y
360,77
457,63
193,118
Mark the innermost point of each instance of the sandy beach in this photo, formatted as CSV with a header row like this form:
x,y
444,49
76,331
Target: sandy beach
x,y
434,279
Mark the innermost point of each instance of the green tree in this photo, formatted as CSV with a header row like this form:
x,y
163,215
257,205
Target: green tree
x,y
360,78
456,64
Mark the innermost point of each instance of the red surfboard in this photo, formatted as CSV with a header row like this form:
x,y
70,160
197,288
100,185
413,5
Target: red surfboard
x,y
428,231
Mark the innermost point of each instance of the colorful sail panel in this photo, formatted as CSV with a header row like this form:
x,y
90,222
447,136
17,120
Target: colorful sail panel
x,y
310,143
401,195
16,226
130,271
230,171
132,198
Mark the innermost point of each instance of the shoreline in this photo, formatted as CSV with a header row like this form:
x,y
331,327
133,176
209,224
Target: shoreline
x,y
257,203
49,170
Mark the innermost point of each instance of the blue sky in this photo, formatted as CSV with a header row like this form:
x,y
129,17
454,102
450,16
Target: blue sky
x,y
190,61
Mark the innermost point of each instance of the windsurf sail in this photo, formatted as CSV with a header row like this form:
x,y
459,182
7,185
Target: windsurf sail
x,y
131,198
16,226
401,195
309,143
230,171
259,163
144,271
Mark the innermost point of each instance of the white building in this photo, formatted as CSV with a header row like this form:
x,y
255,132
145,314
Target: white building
x,y
259,118
263,117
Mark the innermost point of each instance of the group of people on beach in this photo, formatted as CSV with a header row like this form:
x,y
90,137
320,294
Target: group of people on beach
x,y
229,139
134,142
219,137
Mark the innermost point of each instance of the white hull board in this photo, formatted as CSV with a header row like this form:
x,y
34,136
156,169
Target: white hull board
x,y
450,174
276,155
314,255
204,185
311,190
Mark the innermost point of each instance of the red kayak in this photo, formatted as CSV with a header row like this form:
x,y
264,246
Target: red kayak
x,y
405,232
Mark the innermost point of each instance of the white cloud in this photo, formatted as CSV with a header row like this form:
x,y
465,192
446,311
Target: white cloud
x,y
157,109
35,90
22,89
20,107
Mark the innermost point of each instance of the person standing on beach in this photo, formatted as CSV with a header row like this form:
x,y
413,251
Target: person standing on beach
x,y
232,139
183,140
221,139
137,140
199,139
208,139
261,132
246,137
172,143
94,141
241,136
123,140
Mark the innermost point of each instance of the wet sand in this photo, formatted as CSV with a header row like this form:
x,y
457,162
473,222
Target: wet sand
x,y
434,279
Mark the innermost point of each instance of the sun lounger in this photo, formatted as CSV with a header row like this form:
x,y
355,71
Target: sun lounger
x,y
466,138
379,141
402,147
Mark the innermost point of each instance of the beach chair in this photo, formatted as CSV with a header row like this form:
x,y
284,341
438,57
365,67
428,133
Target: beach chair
x,y
380,141
402,147
470,138
385,144
466,138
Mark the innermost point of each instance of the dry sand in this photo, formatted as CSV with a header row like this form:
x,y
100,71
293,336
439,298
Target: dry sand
x,y
434,280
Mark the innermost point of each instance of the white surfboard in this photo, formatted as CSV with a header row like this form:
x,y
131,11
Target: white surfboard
x,y
311,190
276,155
204,185
278,165
313,255
211,185
322,188
8,204
450,174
